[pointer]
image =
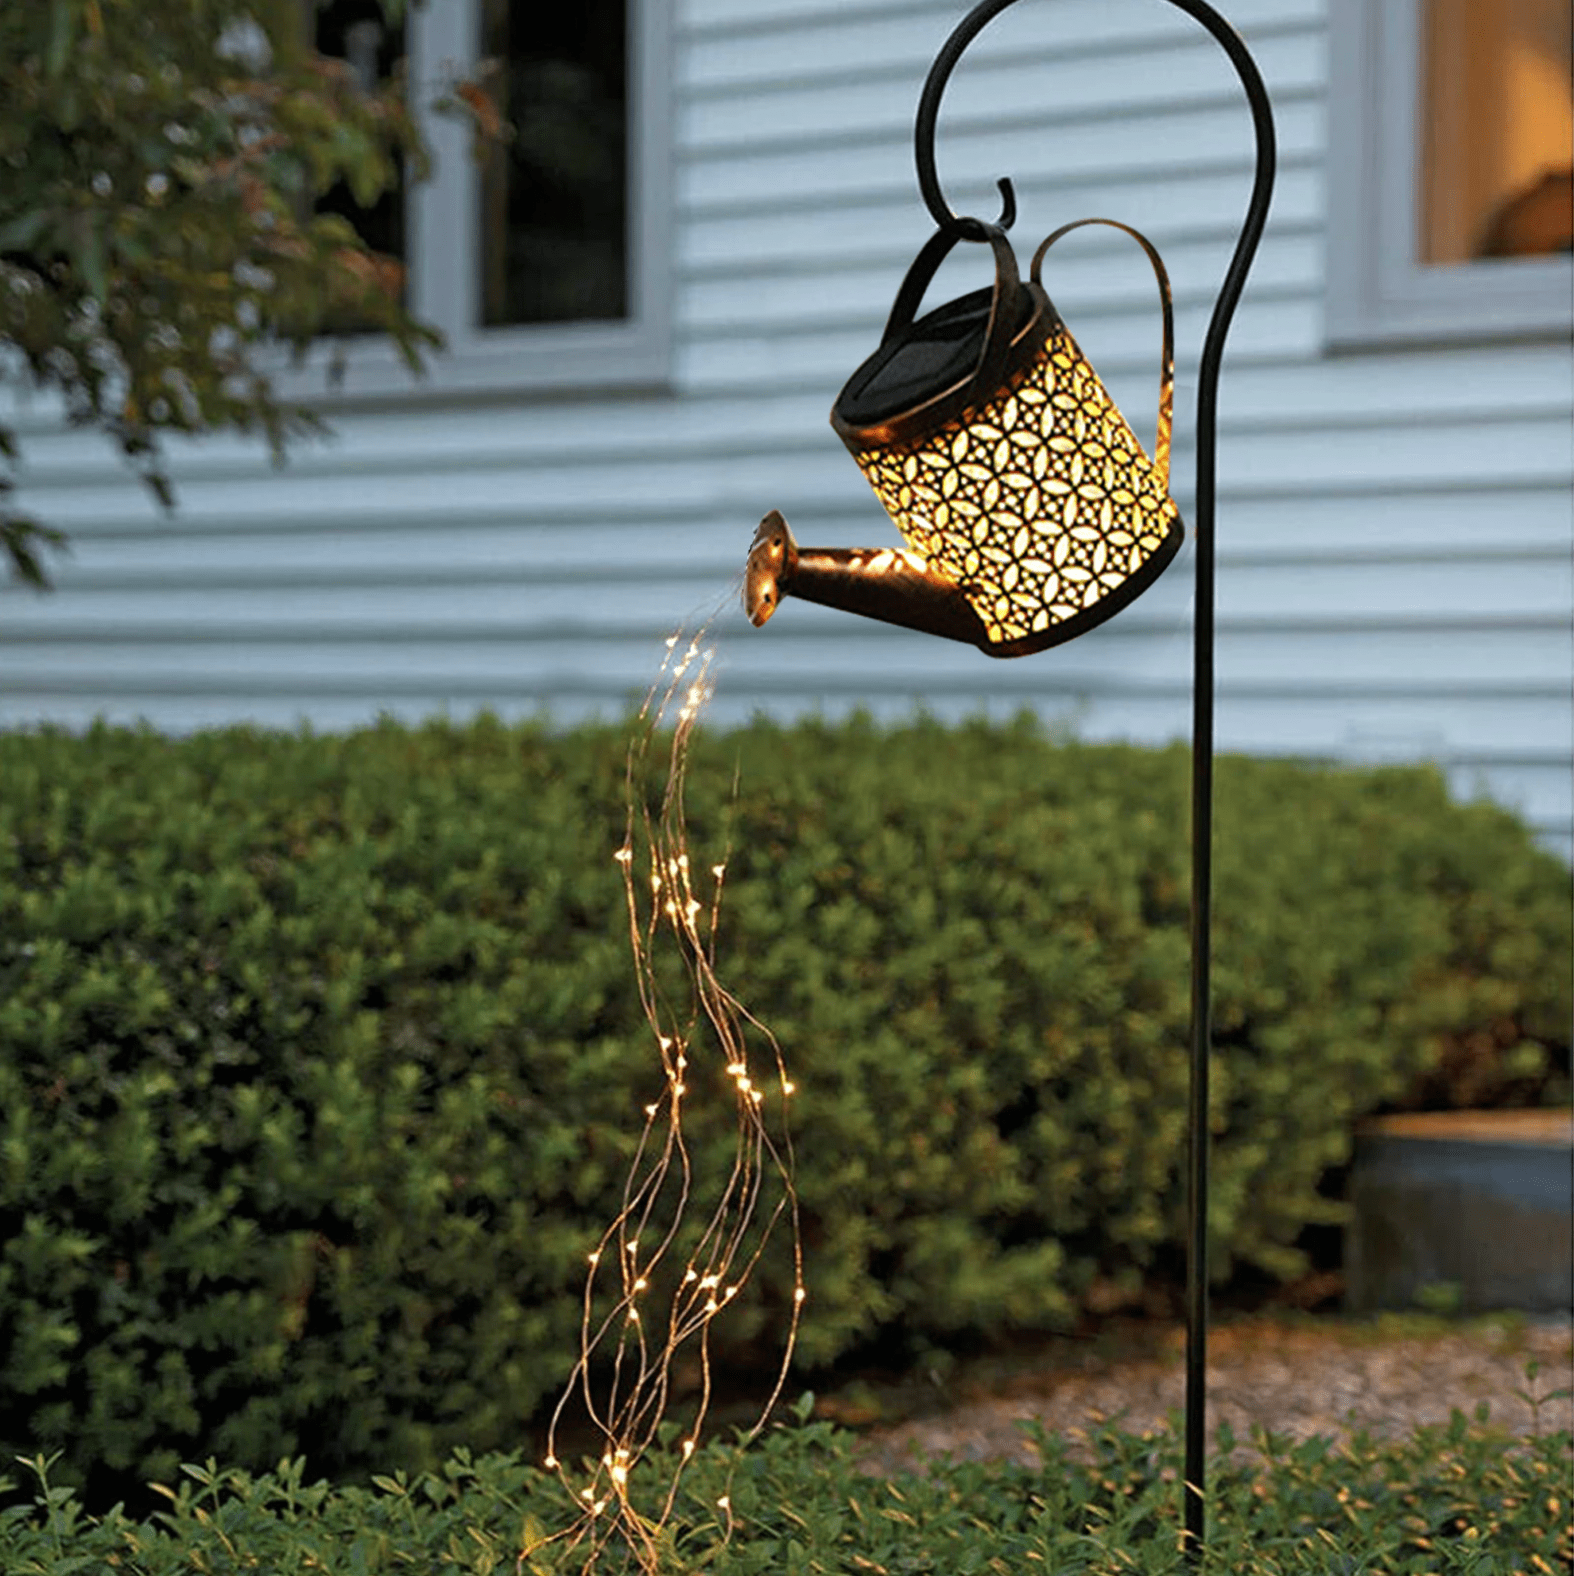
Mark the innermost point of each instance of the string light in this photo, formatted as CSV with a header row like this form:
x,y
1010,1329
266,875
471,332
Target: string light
x,y
640,1353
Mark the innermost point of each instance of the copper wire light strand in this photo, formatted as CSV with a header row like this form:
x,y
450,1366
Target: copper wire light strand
x,y
640,1250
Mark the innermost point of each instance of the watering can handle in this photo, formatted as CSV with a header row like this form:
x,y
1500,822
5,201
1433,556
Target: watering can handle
x,y
1002,308
1161,443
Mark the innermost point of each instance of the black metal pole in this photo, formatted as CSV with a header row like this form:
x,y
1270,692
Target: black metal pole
x,y
1195,1500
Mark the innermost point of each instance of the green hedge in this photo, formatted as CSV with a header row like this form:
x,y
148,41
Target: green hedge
x,y
321,1061
1460,1500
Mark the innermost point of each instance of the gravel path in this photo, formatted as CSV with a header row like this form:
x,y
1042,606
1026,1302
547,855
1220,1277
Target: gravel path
x,y
1296,1377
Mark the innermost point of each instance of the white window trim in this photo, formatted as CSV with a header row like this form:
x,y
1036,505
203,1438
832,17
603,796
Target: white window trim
x,y
1379,294
443,229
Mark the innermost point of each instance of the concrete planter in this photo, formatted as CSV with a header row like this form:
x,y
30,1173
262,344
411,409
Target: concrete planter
x,y
1476,1199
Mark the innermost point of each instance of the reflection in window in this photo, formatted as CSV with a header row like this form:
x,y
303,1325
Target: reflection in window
x,y
1497,167
554,196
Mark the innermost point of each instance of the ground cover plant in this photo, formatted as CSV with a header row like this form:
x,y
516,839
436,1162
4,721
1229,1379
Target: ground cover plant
x,y
321,1059
1455,1499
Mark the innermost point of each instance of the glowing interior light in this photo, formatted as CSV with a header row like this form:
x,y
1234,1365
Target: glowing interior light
x,y
1030,510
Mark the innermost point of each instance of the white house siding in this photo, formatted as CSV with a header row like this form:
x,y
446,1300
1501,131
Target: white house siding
x,y
1394,528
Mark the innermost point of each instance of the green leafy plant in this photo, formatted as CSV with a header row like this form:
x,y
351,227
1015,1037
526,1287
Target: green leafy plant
x,y
321,1060
158,237
1451,1500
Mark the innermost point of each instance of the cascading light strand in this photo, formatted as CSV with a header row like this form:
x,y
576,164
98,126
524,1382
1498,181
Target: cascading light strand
x,y
679,1252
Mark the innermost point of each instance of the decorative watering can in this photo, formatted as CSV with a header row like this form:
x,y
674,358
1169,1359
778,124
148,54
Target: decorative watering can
x,y
1030,510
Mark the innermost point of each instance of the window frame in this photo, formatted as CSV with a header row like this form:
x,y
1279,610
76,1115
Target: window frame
x,y
1379,294
443,244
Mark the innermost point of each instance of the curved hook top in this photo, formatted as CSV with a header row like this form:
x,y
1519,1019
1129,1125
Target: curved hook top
x,y
976,21
929,113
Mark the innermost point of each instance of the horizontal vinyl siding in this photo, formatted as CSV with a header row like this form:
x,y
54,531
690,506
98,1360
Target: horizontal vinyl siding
x,y
1394,529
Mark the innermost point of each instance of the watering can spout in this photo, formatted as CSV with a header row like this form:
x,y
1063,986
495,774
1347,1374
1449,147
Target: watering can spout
x,y
886,583
773,559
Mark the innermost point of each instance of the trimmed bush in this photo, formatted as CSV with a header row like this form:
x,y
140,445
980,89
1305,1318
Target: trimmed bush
x,y
321,1062
1461,1499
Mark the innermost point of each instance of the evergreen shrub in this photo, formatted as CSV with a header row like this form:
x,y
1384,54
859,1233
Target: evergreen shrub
x,y
321,1059
1462,1499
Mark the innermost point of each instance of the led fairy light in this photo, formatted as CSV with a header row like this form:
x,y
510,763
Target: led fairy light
x,y
657,1281
1031,514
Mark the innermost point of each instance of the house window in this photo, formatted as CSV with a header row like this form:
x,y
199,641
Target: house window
x,y
1497,123
545,265
1451,171
554,225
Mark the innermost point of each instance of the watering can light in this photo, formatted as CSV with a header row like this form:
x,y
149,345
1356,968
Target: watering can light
x,y
1030,510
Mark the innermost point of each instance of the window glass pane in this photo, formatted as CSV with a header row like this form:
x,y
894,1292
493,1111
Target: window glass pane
x,y
1497,130
356,32
554,195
